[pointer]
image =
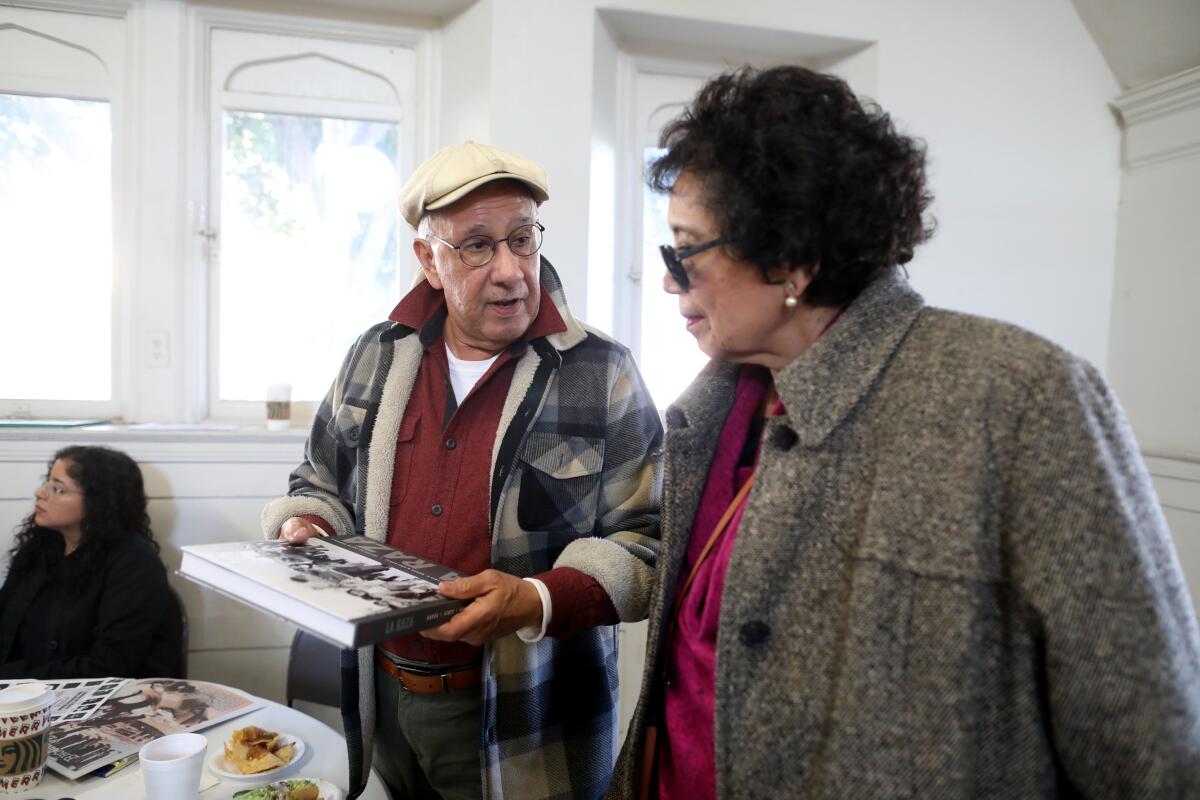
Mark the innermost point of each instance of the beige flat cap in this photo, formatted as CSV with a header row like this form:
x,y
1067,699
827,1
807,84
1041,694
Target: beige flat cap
x,y
455,171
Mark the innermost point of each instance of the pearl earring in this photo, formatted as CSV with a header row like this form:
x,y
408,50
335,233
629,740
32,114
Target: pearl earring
x,y
790,300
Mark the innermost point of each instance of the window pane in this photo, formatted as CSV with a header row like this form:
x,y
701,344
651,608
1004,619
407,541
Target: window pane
x,y
55,248
308,247
670,357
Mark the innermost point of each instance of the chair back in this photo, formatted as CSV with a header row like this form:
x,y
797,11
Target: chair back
x,y
179,611
314,671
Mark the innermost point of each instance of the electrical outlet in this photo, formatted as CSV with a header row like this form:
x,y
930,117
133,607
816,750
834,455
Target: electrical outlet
x,y
158,349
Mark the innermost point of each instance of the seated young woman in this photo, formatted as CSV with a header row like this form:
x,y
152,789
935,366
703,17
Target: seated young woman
x,y
86,594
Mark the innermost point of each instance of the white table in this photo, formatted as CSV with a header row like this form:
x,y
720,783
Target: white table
x,y
324,757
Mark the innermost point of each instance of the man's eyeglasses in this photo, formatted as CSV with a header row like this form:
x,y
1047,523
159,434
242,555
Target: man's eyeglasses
x,y
477,251
674,259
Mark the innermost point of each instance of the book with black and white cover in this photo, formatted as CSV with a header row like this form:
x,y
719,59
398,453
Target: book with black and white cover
x,y
350,590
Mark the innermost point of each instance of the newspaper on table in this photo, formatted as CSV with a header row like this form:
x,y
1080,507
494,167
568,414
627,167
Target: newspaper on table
x,y
137,713
75,699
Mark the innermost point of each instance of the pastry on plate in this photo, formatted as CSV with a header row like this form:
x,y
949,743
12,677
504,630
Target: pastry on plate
x,y
252,750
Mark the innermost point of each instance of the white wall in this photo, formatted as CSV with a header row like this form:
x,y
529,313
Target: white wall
x,y
466,77
1012,99
1153,362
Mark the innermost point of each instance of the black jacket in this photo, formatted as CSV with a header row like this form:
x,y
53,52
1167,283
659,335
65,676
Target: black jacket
x,y
124,623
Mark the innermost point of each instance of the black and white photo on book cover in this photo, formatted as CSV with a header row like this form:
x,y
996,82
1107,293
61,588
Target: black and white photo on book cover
x,y
354,590
139,712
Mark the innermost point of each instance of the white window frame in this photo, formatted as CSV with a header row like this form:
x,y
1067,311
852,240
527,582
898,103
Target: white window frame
x,y
417,119
627,289
108,43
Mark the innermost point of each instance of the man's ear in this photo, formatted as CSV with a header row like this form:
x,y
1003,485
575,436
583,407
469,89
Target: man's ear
x,y
424,253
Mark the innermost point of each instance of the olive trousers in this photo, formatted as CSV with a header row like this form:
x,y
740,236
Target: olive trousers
x,y
427,745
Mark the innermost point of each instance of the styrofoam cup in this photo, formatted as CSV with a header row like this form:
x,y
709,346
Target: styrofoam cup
x,y
171,766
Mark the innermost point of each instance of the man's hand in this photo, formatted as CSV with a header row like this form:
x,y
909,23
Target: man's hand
x,y
296,530
502,603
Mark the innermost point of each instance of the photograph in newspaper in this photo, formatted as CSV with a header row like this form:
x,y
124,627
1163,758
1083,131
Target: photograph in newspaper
x,y
140,712
75,699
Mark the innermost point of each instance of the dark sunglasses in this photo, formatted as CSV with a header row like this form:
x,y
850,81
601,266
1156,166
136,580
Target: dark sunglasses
x,y
674,259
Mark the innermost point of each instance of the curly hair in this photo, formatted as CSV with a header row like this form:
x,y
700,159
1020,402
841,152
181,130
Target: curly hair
x,y
114,502
798,172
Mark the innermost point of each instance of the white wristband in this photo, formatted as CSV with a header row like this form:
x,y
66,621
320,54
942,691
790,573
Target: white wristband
x,y
532,633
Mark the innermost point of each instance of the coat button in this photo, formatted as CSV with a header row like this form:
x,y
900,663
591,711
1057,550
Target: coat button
x,y
53,645
784,438
754,633
437,510
352,434
451,444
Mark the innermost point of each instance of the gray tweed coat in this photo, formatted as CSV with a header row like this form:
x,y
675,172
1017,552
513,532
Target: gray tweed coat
x,y
952,579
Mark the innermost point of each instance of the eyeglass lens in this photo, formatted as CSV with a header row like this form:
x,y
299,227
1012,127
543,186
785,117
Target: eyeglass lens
x,y
53,488
674,266
479,250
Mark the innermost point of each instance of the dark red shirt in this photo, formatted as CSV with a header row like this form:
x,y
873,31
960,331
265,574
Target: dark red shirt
x,y
440,503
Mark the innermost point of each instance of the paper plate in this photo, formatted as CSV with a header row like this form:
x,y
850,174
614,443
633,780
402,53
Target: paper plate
x,y
327,790
220,765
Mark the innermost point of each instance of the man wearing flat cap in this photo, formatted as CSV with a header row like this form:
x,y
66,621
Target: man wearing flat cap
x,y
486,428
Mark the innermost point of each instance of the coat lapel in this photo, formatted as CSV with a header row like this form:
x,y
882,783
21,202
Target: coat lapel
x,y
694,425
397,388
821,387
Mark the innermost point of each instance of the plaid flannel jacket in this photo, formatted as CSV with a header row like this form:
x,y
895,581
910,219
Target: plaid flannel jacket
x,y
575,481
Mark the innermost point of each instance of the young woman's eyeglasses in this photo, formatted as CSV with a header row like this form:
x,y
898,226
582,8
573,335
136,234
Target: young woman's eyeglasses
x,y
674,259
55,489
477,251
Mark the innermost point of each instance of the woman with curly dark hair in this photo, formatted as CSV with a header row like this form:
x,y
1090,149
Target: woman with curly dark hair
x,y
86,594
906,552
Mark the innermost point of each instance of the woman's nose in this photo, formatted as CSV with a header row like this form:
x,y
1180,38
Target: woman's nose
x,y
669,284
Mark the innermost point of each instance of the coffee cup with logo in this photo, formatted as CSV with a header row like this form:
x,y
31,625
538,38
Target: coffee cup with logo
x,y
24,735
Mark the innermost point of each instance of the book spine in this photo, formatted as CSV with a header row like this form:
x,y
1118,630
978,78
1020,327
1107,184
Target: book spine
x,y
380,630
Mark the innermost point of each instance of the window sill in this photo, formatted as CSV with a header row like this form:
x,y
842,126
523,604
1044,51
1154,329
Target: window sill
x,y
178,444
155,432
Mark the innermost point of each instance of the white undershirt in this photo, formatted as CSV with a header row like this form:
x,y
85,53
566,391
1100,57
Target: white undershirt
x,y
465,374
463,377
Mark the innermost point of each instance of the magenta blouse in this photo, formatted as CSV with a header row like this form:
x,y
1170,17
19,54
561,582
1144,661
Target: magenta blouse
x,y
686,758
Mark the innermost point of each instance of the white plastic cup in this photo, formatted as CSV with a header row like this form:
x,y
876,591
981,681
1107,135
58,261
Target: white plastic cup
x,y
171,766
24,735
279,406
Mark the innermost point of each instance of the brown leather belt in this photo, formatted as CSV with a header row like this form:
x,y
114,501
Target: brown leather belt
x,y
435,683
